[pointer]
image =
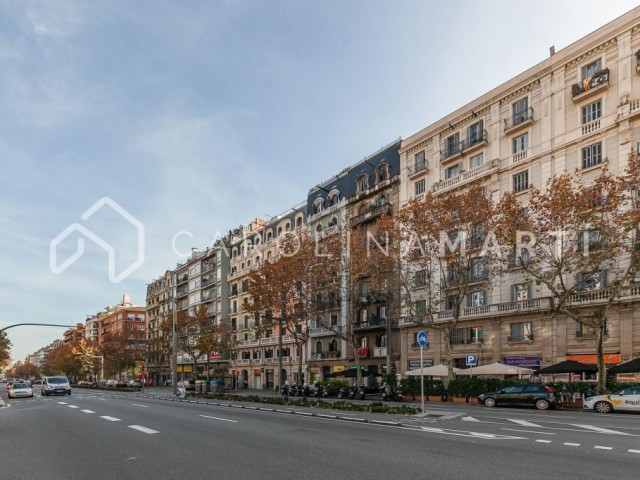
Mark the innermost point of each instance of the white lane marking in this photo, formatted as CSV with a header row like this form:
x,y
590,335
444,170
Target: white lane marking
x,y
142,429
525,423
633,451
111,419
600,447
63,403
528,431
138,405
462,433
469,419
601,430
221,419
569,444
73,406
543,441
87,411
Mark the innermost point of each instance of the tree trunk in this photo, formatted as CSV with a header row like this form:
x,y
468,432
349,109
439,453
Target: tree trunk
x,y
300,376
602,369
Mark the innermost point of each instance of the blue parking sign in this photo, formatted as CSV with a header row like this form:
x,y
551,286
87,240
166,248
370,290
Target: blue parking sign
x,y
471,360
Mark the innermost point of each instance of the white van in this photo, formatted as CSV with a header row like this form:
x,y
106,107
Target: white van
x,y
53,385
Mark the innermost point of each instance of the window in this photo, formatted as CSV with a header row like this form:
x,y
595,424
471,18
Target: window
x,y
592,155
591,281
420,278
419,187
452,145
298,222
520,110
450,302
590,239
452,171
476,161
475,335
382,173
591,112
457,336
476,299
521,332
419,161
478,270
421,307
363,183
583,330
520,291
520,182
475,133
476,234
520,143
591,69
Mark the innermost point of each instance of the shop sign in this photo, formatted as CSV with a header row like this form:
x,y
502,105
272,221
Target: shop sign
x,y
609,358
521,361
415,364
338,368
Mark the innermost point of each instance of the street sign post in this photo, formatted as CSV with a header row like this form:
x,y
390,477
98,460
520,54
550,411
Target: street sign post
x,y
423,341
471,361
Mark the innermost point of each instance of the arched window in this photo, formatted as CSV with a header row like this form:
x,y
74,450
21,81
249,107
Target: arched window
x,y
319,228
318,346
298,222
333,345
269,254
363,209
288,227
234,252
334,221
364,342
279,231
258,259
382,173
269,236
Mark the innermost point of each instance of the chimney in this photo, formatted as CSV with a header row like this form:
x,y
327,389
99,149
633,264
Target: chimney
x,y
552,50
194,251
126,299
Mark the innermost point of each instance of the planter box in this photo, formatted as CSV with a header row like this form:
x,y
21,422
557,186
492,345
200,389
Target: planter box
x,y
459,400
572,405
435,398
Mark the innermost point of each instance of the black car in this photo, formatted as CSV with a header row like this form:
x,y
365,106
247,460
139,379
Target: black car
x,y
530,395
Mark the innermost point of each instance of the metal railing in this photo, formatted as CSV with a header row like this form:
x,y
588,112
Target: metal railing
x,y
518,118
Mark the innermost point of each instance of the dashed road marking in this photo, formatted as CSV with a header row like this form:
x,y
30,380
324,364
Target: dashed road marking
x,y
73,406
524,423
111,419
601,430
87,411
569,444
469,419
142,429
600,447
221,419
63,403
139,405
633,451
543,441
528,431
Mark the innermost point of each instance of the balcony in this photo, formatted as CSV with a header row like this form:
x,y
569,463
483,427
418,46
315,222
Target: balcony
x,y
466,177
375,212
498,309
520,338
476,141
208,281
518,120
182,292
591,127
597,297
371,324
324,331
418,168
208,297
206,267
182,279
451,151
326,211
596,83
379,352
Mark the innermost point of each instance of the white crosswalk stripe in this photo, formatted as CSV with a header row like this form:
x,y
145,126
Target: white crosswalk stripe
x,y
142,429
111,419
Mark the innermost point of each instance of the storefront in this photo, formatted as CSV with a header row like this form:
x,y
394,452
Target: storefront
x,y
522,361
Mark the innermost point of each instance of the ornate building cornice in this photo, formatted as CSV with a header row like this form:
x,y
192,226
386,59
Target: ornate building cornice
x,y
516,93
584,56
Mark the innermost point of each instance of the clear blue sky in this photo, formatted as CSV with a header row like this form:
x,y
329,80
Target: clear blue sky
x,y
201,115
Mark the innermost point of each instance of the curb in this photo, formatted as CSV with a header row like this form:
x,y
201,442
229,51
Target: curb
x,y
2,404
282,411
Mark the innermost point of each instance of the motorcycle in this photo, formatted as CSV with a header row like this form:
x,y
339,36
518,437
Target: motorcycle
x,y
393,396
356,392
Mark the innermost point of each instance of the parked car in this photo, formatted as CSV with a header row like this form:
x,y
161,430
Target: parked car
x,y
53,385
111,383
134,384
625,400
19,389
529,395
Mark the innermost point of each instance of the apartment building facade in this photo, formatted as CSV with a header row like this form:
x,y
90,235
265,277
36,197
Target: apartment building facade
x,y
577,112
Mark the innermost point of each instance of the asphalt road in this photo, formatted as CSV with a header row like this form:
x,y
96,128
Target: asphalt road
x,y
106,435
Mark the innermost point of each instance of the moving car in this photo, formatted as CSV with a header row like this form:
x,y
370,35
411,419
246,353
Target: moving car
x,y
627,400
19,389
53,385
529,395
